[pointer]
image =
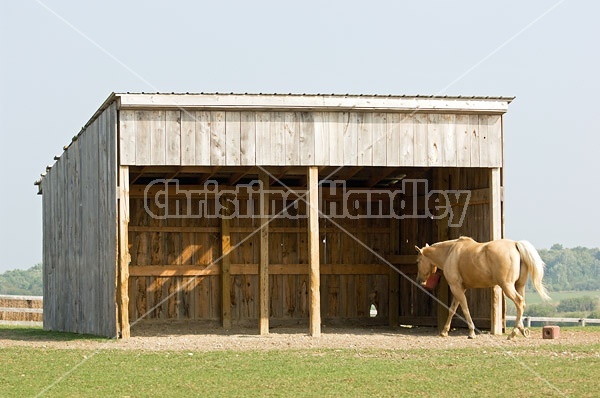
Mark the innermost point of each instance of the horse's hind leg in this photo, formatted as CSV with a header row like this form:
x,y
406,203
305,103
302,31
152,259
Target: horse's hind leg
x,y
520,287
519,301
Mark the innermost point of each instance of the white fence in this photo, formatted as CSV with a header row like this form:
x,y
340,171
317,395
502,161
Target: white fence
x,y
580,321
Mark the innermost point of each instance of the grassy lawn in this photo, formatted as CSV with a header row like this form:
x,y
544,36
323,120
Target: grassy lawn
x,y
555,370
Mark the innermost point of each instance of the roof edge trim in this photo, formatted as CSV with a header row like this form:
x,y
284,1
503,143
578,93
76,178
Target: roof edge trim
x,y
318,101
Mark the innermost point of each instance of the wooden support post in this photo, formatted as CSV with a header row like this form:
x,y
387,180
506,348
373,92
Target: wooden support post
x,y
225,264
313,248
124,256
497,310
443,290
394,277
263,266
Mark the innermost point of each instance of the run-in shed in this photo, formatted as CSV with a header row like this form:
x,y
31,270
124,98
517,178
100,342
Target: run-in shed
x,y
244,209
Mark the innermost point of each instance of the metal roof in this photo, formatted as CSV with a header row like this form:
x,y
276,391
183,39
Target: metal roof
x,y
316,101
462,97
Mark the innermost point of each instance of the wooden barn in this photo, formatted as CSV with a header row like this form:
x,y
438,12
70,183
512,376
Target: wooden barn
x,y
265,210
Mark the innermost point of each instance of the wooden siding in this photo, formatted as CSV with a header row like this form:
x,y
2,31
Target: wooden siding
x,y
176,264
80,232
268,138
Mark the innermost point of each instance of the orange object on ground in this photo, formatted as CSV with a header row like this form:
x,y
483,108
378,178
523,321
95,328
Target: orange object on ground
x,y
551,332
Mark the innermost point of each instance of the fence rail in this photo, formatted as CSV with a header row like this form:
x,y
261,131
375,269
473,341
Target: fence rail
x,y
21,310
580,321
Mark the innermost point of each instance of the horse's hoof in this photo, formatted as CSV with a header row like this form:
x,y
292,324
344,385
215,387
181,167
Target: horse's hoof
x,y
444,334
526,332
471,337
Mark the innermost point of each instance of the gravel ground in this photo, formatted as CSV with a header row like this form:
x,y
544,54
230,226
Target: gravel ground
x,y
191,337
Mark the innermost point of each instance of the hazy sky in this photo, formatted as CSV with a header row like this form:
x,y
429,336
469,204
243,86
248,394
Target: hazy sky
x,y
59,60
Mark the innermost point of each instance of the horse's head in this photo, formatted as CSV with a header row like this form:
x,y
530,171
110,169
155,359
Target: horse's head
x,y
425,266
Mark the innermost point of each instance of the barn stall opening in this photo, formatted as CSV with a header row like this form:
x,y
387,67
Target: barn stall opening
x,y
265,210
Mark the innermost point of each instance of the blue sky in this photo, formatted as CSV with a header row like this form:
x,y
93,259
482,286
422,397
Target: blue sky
x,y
59,60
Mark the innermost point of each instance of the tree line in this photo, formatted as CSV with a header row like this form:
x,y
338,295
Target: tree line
x,y
22,282
577,268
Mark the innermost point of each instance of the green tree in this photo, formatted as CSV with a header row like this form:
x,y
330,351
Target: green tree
x,y
571,268
22,282
543,309
585,303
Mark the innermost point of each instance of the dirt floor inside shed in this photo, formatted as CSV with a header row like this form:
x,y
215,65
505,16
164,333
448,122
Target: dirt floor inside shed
x,y
186,336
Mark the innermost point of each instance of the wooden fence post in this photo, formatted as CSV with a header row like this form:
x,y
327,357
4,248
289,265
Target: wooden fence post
x,y
225,264
313,244
495,212
124,256
263,266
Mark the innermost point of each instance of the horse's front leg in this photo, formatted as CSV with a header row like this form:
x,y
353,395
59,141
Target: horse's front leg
x,y
459,295
451,312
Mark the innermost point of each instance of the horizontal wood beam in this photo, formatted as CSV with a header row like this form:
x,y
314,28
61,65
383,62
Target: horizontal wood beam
x,y
279,176
252,269
378,176
207,176
171,169
238,176
272,230
197,192
349,172
402,259
172,270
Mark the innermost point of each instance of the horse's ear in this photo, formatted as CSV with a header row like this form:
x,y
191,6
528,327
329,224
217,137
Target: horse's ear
x,y
426,244
418,249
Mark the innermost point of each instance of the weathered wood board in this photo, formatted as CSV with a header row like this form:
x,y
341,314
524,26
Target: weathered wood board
x,y
80,232
352,279
278,138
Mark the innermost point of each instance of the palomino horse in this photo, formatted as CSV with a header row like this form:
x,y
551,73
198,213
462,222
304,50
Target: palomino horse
x,y
468,264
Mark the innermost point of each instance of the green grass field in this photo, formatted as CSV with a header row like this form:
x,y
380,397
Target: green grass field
x,y
534,298
549,370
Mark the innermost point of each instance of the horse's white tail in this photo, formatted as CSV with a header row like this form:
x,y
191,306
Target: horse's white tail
x,y
535,266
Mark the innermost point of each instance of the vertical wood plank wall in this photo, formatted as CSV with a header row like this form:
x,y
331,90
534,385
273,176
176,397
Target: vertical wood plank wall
x,y
188,251
80,232
233,138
